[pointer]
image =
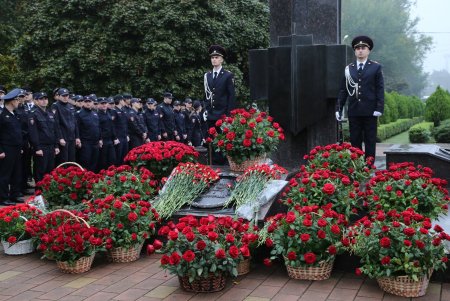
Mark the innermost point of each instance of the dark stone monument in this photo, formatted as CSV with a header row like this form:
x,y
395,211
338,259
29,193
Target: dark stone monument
x,y
300,74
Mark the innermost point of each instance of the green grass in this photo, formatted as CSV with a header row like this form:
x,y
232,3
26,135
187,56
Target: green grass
x,y
402,138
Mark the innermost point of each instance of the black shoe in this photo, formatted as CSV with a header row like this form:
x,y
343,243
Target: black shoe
x,y
6,203
18,199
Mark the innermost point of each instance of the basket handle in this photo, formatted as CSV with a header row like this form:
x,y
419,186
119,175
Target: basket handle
x,y
72,215
70,163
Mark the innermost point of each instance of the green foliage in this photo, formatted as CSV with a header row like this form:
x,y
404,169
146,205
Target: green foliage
x,y
144,47
398,46
438,106
442,133
421,132
385,131
401,106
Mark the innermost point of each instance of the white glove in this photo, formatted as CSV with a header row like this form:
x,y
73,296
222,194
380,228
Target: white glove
x,y
338,116
377,114
205,115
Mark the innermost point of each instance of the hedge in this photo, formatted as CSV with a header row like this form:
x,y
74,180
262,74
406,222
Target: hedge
x,y
421,132
441,133
385,131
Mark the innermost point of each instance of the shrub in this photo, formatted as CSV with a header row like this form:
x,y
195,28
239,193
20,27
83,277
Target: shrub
x,y
385,131
438,106
420,133
442,133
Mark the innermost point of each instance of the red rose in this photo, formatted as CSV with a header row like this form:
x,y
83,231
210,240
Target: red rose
x,y
304,237
290,217
12,239
150,249
245,251
234,251
259,140
291,233
201,245
307,222
133,236
212,131
229,238
420,244
248,134
190,236
407,243
385,242
219,122
332,250
173,235
444,259
174,258
157,244
267,262
230,136
165,260
247,143
335,229
118,204
119,226
243,121
189,256
321,234
385,260
322,223
328,188
310,257
220,254
270,133
291,255
358,271
132,216
212,236
269,243
409,231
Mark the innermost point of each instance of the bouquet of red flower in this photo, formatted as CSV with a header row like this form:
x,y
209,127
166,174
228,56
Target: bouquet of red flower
x,y
126,221
161,157
186,182
320,187
397,244
198,248
341,158
246,135
66,236
12,222
118,181
405,186
66,186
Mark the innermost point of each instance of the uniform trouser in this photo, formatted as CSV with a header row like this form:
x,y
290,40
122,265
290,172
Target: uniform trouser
x,y
44,164
153,137
196,139
121,150
135,141
89,153
66,152
364,128
107,155
10,172
217,157
26,165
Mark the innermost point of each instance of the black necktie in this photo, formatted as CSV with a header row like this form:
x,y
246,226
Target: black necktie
x,y
360,67
215,75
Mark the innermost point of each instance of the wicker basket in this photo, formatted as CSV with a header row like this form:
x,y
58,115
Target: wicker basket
x,y
81,265
243,267
19,248
320,272
125,255
210,284
246,164
405,286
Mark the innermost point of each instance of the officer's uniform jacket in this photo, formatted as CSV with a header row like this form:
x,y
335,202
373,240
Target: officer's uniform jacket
x,y
65,116
153,122
180,123
107,132
168,118
43,129
120,121
369,96
10,130
89,126
222,98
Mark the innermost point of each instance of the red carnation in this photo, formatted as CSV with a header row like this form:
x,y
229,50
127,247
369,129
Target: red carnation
x,y
291,255
332,250
335,229
385,242
385,260
310,258
328,188
409,231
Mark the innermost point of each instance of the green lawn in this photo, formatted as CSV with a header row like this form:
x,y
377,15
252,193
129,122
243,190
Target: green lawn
x,y
402,138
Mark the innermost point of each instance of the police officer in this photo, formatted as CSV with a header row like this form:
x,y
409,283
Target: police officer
x,y
23,113
169,131
65,117
89,129
153,121
44,137
363,86
180,122
196,132
11,142
120,122
107,152
137,129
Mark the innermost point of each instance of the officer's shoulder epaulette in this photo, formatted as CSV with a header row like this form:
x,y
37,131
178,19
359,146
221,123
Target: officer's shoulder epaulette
x,y
351,65
375,62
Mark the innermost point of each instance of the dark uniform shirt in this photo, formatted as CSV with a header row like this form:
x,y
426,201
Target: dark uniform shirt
x,y
10,130
168,118
43,128
65,117
120,121
222,96
153,122
89,126
107,131
180,123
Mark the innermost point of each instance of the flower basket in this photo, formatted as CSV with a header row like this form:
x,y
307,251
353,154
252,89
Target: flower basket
x,y
19,248
320,272
212,283
246,164
243,267
405,286
120,254
80,266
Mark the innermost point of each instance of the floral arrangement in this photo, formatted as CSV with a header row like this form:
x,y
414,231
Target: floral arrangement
x,y
305,236
186,182
118,181
246,135
320,187
341,158
405,186
66,186
12,222
126,221
397,244
161,157
65,236
210,245
250,184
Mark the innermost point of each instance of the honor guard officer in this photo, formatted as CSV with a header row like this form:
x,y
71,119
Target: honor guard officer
x,y
120,121
65,117
180,122
11,142
107,152
137,130
89,128
153,121
363,86
219,92
44,137
168,117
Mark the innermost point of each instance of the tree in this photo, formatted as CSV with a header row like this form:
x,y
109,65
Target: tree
x,y
141,46
398,46
437,107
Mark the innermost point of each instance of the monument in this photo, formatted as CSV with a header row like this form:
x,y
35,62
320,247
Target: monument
x,y
300,74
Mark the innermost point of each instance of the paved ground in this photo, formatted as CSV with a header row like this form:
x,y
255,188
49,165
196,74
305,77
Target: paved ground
x,y
27,277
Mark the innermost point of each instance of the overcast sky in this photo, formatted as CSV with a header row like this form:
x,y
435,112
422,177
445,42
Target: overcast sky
x,y
434,21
